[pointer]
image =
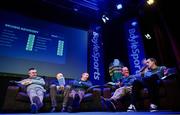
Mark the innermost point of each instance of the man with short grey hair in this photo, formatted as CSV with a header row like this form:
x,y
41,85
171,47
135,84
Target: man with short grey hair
x,y
35,89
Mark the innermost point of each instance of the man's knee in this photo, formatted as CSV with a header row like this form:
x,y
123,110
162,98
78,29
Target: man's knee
x,y
67,90
31,92
67,87
40,93
52,86
71,95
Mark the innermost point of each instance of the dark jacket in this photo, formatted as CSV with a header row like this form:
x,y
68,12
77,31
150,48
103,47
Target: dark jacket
x,y
81,84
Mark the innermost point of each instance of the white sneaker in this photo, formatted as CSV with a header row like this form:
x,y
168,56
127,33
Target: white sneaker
x,y
153,108
131,108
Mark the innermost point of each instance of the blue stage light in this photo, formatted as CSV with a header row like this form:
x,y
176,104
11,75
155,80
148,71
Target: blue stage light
x,y
134,23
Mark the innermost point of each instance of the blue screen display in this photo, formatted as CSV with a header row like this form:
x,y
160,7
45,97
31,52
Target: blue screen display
x,y
51,48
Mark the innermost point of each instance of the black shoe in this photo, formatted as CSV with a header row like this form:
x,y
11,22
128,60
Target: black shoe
x,y
37,101
69,109
153,108
53,109
34,108
63,109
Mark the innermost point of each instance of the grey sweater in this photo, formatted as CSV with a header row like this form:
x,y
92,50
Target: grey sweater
x,y
37,82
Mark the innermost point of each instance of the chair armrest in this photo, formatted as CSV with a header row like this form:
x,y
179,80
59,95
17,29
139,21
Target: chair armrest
x,y
13,83
12,90
10,97
112,87
90,89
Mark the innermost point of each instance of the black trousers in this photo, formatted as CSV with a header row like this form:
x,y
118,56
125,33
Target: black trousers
x,y
152,84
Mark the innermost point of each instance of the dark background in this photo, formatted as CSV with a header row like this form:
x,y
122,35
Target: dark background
x,y
161,21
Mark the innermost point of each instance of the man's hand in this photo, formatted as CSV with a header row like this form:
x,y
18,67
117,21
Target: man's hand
x,y
26,81
119,84
61,87
166,71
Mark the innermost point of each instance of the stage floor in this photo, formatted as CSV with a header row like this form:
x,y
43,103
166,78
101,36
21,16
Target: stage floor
x,y
101,113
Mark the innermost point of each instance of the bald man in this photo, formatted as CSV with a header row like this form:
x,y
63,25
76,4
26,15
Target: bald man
x,y
125,87
57,89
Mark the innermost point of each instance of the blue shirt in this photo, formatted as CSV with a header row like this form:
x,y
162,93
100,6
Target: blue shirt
x,y
128,81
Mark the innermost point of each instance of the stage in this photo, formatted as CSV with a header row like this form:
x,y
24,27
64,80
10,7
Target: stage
x,y
102,113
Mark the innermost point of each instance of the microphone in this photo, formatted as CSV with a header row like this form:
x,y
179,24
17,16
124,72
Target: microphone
x,y
143,68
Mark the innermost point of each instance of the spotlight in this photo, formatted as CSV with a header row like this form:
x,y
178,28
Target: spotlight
x,y
75,9
147,36
134,23
119,6
104,18
150,2
107,18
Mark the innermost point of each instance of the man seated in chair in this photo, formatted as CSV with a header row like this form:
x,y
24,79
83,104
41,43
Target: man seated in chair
x,y
58,89
151,80
77,92
35,89
125,86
